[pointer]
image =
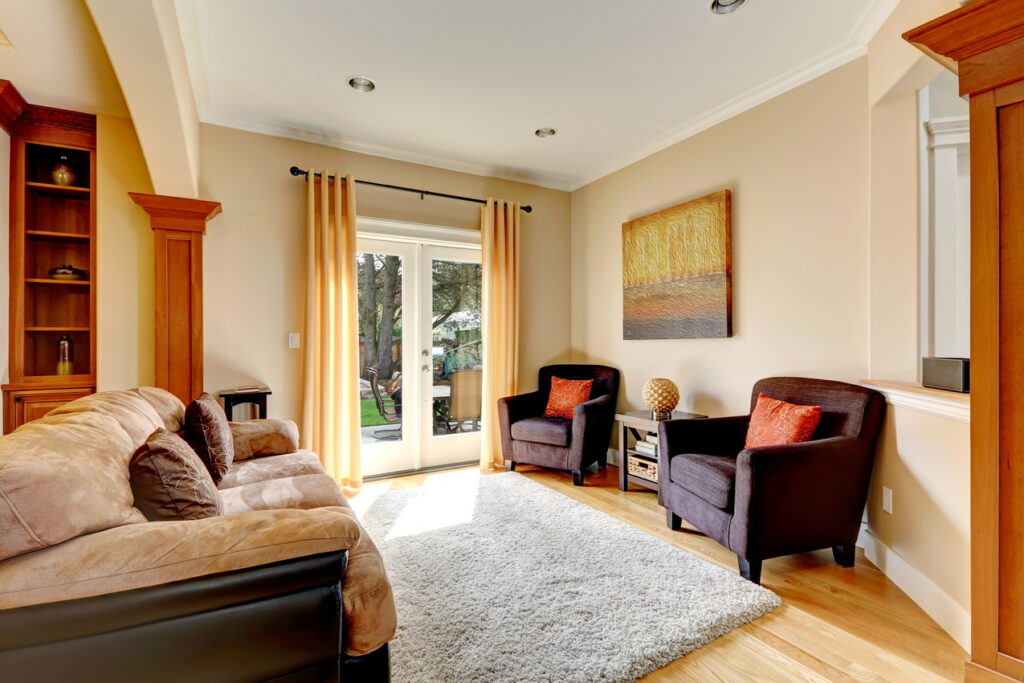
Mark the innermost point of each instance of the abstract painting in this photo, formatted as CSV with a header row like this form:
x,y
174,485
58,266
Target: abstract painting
x,y
676,271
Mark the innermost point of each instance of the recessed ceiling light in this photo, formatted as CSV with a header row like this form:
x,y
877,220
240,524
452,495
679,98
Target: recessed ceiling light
x,y
725,6
362,84
544,132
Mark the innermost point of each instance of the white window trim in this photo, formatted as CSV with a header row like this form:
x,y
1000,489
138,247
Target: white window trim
x,y
403,231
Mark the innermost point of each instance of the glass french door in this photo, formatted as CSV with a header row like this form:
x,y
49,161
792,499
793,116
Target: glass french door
x,y
420,343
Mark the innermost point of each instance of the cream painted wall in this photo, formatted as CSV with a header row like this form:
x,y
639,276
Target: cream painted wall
x,y
125,260
254,252
924,545
797,167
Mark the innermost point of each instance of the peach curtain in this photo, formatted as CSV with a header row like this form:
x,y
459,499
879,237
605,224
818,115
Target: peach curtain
x,y
330,396
499,227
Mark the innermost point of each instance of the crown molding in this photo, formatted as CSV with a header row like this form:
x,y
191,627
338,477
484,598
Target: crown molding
x,y
952,131
874,16
845,53
425,158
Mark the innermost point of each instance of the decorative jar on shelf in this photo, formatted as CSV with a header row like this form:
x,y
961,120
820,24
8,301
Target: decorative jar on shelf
x,y
61,171
65,355
661,396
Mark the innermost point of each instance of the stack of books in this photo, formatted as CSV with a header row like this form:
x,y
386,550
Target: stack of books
x,y
648,445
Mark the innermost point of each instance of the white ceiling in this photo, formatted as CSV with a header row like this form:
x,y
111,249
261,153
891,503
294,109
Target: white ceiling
x,y
463,84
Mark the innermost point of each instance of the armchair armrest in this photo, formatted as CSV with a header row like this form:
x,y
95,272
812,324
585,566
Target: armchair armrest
x,y
592,430
254,438
709,436
801,495
521,406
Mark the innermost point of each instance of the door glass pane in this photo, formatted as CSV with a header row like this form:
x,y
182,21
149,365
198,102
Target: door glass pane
x,y
457,354
380,346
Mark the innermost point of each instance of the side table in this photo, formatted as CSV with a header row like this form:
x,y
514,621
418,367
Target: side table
x,y
637,424
234,397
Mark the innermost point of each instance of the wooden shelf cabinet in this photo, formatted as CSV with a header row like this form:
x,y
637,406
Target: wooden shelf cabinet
x,y
52,223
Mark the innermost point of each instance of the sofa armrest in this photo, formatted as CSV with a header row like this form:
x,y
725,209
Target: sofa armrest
x,y
154,553
801,495
254,438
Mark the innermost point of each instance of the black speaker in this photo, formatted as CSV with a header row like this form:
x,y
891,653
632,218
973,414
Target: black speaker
x,y
951,374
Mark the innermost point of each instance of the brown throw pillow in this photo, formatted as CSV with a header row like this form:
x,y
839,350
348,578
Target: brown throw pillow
x,y
170,482
208,432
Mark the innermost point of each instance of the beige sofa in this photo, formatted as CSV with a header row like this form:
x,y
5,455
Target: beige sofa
x,y
70,540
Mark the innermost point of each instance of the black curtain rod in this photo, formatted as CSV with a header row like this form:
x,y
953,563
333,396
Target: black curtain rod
x,y
295,170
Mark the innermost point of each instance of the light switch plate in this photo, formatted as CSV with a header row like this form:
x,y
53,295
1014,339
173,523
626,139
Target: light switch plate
x,y
293,340
887,499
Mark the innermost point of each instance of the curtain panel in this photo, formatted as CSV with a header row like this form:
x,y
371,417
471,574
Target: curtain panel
x,y
330,395
499,227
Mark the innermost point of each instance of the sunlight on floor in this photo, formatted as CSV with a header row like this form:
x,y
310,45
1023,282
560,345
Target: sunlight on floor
x,y
444,499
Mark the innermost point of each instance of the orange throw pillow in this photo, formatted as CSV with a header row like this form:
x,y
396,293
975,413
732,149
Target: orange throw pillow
x,y
775,422
565,395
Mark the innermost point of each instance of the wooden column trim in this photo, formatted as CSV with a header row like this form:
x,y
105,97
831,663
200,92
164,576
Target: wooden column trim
x,y
178,225
983,43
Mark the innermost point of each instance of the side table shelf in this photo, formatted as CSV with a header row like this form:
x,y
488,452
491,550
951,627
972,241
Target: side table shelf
x,y
636,425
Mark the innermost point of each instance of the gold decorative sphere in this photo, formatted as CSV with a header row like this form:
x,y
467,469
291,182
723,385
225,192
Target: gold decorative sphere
x,y
661,396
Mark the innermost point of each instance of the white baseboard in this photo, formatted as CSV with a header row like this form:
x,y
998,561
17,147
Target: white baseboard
x,y
947,612
613,457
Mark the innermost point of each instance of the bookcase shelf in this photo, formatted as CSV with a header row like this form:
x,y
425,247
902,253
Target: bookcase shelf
x,y
53,224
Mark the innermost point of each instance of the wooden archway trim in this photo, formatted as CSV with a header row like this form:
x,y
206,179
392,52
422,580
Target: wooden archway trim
x,y
178,225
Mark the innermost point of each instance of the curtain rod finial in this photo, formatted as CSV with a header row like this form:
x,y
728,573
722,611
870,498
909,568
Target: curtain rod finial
x,y
295,170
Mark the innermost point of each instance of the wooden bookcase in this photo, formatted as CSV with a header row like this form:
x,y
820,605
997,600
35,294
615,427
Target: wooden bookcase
x,y
51,225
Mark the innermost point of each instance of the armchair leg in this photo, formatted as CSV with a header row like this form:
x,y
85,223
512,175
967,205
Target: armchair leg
x,y
675,522
577,478
845,555
750,569
510,465
602,461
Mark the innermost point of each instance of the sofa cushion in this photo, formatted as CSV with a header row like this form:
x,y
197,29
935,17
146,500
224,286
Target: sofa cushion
x,y
553,431
135,415
208,432
306,491
263,437
168,406
169,481
712,477
271,467
63,476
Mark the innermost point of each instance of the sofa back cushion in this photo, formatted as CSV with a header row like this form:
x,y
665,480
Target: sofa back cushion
x,y
131,411
170,482
168,406
61,477
207,431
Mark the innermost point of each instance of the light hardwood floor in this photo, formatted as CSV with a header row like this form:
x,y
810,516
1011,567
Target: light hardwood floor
x,y
835,624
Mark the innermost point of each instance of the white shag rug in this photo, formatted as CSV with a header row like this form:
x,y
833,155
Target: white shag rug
x,y
499,578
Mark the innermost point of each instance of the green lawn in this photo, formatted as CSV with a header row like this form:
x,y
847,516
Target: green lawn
x,y
368,415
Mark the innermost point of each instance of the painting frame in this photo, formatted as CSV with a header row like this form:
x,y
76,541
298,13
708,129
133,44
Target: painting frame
x,y
677,271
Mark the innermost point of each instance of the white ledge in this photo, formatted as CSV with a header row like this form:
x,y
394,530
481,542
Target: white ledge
x,y
947,404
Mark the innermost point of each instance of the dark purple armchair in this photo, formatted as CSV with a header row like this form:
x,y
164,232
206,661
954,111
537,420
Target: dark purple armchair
x,y
776,500
529,437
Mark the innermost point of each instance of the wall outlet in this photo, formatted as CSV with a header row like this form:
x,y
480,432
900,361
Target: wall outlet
x,y
887,499
293,340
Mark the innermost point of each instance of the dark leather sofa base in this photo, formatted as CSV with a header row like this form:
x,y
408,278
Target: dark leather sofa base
x,y
280,621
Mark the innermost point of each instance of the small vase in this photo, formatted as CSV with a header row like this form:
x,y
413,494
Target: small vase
x,y
61,171
661,396
65,356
